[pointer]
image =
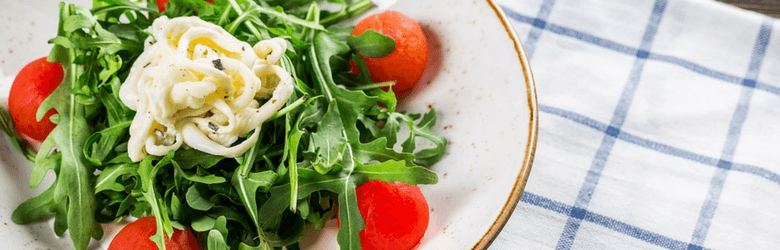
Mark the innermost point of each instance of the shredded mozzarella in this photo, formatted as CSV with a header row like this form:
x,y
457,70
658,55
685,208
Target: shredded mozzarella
x,y
199,86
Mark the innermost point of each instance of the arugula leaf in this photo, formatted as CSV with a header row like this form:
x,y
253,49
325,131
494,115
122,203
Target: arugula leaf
x,y
422,129
107,180
247,184
352,10
363,81
349,215
37,208
244,246
113,5
116,112
197,200
309,181
216,241
279,13
390,171
220,224
372,44
45,162
349,104
203,224
328,142
321,208
7,125
176,207
291,147
194,177
99,145
147,173
72,186
377,150
190,158
426,156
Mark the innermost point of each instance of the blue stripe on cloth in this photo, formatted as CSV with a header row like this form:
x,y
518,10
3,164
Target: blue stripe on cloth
x,y
607,44
566,238
570,33
584,120
732,139
696,68
614,46
660,147
768,88
669,150
604,221
757,171
539,24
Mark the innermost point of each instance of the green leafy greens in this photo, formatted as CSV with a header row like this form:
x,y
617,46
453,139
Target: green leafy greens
x,y
337,131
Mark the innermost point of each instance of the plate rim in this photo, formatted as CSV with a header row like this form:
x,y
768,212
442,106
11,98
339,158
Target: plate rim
x,y
533,131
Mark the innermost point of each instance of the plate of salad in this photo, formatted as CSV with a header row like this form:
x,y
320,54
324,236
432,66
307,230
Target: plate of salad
x,y
261,124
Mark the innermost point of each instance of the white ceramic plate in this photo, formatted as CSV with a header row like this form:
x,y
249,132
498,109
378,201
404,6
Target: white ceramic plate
x,y
479,81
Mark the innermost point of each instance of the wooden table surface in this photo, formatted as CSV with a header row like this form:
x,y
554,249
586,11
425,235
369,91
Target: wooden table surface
x,y
766,7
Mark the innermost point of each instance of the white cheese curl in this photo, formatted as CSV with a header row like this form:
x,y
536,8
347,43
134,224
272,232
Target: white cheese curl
x,y
199,86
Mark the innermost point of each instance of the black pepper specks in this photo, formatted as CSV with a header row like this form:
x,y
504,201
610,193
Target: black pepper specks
x,y
213,126
218,64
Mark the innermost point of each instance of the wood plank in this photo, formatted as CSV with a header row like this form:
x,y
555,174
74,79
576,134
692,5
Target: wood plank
x,y
766,7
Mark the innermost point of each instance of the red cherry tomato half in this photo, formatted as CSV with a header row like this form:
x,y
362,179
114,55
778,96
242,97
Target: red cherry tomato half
x,y
406,64
135,236
396,215
36,81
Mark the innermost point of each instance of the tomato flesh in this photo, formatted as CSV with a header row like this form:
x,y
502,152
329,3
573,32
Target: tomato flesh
x,y
407,63
136,235
34,83
396,215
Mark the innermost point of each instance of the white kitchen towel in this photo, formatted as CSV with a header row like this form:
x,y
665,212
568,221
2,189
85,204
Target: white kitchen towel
x,y
659,126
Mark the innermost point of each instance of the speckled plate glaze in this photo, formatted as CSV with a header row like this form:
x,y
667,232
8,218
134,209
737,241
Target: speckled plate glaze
x,y
479,81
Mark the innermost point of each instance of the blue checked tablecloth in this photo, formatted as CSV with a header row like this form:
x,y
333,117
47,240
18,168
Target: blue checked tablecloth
x,y
659,126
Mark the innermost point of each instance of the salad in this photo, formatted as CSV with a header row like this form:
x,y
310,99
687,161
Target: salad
x,y
226,124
